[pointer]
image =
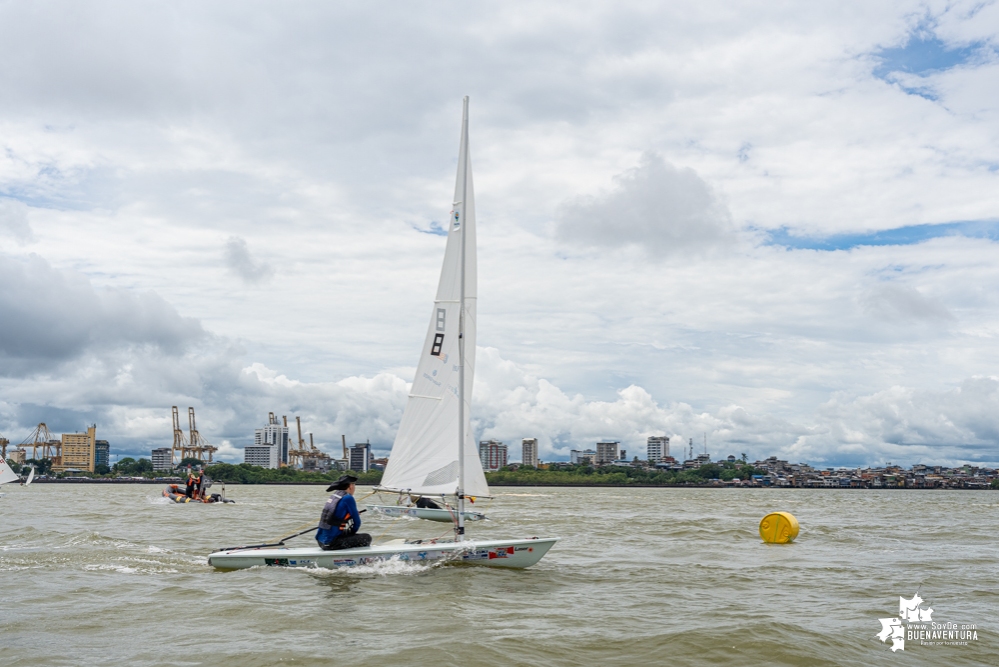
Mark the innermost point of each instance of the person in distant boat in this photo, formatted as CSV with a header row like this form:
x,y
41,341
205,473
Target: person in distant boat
x,y
340,519
193,490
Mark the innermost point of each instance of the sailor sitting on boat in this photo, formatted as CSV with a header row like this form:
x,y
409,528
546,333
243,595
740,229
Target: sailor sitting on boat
x,y
340,520
426,503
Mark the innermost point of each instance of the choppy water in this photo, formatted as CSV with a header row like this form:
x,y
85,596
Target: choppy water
x,y
114,575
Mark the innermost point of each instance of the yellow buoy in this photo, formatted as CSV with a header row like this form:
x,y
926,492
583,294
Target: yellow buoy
x,y
778,528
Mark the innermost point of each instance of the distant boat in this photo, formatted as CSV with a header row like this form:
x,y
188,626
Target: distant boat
x,y
31,477
7,475
446,514
435,440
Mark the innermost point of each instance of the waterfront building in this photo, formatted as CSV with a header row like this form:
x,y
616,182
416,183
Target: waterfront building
x,y
102,454
658,448
78,450
529,452
607,452
274,434
265,456
162,458
16,456
360,457
492,454
579,457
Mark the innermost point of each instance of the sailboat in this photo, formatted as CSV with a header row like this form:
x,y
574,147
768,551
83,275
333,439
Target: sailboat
x,y
434,453
31,477
6,474
423,461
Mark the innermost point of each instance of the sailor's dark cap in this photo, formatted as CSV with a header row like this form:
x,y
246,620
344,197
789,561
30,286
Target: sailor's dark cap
x,y
342,483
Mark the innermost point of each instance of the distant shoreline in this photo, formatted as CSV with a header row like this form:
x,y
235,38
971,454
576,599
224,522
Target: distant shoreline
x,y
87,480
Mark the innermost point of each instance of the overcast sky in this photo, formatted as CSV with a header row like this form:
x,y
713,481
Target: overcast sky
x,y
773,225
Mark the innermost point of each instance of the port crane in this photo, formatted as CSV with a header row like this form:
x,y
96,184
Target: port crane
x,y
296,457
320,459
194,448
307,457
199,446
41,438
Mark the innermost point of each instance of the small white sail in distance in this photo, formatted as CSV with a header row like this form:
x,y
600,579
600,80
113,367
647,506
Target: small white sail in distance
x,y
6,474
31,477
424,459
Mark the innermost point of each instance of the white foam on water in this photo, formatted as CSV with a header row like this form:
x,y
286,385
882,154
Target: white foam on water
x,y
124,569
132,565
391,567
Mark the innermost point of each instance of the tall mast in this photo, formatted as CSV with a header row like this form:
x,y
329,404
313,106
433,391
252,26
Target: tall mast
x,y
461,325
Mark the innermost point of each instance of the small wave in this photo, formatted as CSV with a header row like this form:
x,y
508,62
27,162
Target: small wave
x,y
95,538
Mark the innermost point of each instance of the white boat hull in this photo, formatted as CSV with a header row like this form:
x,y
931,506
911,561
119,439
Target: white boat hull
x,y
492,553
443,515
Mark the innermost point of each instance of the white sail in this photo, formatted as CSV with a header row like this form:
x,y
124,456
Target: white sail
x,y
6,474
31,476
424,456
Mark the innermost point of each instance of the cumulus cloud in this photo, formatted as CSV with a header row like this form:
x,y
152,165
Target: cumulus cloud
x,y
903,303
241,264
513,404
902,424
664,209
14,220
128,391
52,316
896,424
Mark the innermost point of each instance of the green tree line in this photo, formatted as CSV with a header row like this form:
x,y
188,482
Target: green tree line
x,y
244,473
585,475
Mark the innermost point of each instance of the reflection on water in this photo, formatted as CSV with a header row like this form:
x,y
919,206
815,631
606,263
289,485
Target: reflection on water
x,y
641,576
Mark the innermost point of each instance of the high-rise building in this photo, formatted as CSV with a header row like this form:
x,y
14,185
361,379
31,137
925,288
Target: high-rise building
x,y
78,450
658,448
360,457
578,457
265,456
102,453
162,458
529,452
607,452
492,454
274,434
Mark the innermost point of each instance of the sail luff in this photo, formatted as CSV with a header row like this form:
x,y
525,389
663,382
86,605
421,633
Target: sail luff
x,y
460,529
